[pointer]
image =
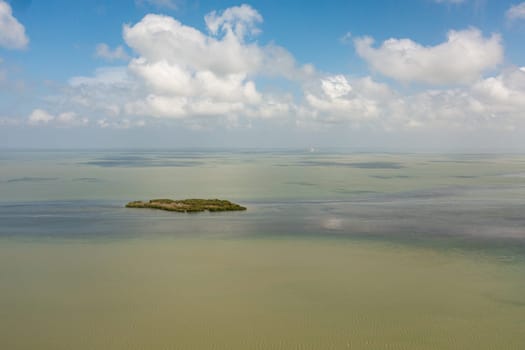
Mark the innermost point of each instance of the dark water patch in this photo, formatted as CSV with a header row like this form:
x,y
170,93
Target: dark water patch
x,y
181,156
359,165
505,250
31,179
507,301
427,193
465,161
470,158
354,192
63,219
139,162
459,191
465,176
388,177
473,156
430,193
87,179
377,165
300,183
480,227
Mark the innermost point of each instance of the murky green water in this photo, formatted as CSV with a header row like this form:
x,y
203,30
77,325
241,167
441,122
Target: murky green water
x,y
336,251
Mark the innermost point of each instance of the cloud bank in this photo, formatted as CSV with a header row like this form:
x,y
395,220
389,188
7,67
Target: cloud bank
x,y
65,119
223,77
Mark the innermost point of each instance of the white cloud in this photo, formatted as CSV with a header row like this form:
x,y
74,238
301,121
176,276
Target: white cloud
x,y
461,59
104,51
503,94
161,38
496,102
241,20
12,33
339,100
70,119
40,116
187,73
335,86
204,80
516,11
66,119
182,73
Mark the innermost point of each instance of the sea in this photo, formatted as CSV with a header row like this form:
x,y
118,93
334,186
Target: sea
x,y
337,250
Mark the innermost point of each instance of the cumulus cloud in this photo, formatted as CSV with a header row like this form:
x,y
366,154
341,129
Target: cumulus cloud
x,y
338,99
182,73
42,117
241,20
335,86
12,33
187,73
504,93
205,79
516,11
497,102
161,38
461,59
104,51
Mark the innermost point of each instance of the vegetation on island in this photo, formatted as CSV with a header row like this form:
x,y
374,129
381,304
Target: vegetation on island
x,y
187,205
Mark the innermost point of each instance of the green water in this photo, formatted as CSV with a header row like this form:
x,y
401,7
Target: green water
x,y
255,294
336,251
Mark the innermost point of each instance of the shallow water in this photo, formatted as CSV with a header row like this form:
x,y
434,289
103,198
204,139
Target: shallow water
x,y
336,251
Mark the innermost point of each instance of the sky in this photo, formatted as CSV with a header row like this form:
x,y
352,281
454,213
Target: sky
x,y
382,75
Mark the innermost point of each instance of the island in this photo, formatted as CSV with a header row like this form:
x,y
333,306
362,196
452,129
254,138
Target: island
x,y
187,205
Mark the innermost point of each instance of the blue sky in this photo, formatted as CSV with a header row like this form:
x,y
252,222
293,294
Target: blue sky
x,y
407,75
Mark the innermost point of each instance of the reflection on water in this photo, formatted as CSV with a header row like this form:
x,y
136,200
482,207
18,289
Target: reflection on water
x,y
399,252
31,179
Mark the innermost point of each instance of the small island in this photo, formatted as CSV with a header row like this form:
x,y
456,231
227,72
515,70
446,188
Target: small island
x,y
187,205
